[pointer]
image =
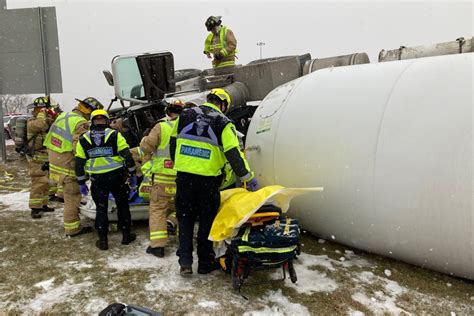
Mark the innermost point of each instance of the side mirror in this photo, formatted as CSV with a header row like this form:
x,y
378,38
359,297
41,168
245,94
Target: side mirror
x,y
109,77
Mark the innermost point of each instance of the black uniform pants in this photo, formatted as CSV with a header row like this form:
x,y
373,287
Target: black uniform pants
x,y
102,184
196,196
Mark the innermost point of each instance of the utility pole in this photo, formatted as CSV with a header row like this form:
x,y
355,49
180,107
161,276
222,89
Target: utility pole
x,y
42,35
261,44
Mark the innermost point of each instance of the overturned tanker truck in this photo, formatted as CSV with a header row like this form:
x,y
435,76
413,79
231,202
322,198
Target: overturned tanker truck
x,y
391,142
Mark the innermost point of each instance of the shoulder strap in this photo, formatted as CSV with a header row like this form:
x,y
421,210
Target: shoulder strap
x,y
31,138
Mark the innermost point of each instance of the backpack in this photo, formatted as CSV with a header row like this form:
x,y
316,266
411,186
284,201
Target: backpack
x,y
21,142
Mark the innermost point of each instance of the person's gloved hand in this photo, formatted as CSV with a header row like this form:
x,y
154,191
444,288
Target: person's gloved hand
x,y
252,185
51,113
218,56
84,189
132,181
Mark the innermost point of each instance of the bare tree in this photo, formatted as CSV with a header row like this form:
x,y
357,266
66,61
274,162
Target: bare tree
x,y
14,103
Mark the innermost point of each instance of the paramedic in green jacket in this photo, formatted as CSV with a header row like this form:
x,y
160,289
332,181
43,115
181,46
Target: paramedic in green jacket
x,y
201,142
104,154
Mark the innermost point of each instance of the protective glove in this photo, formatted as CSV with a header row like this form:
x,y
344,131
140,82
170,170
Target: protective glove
x,y
84,189
252,185
132,182
218,56
51,113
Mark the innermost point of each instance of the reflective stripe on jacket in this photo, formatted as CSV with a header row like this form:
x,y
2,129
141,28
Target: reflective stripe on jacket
x,y
162,165
221,45
60,135
104,157
199,148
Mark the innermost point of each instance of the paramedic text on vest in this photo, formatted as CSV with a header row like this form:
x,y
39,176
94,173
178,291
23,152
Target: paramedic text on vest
x,y
103,153
201,141
220,43
163,180
37,155
61,143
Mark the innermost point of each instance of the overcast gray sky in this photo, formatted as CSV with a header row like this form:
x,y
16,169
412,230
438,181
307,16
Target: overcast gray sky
x,y
92,32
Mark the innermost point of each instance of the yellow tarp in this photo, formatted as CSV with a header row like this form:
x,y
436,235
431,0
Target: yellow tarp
x,y
237,205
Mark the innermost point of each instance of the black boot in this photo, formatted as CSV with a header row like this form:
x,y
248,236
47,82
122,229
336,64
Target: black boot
x,y
36,213
128,237
46,208
185,271
84,230
54,198
102,243
157,251
207,267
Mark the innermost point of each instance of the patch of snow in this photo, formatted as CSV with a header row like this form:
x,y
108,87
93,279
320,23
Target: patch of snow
x,y
209,304
349,252
95,306
169,281
337,251
16,201
83,265
3,249
57,295
452,314
308,260
310,280
278,304
367,277
394,288
382,301
137,260
166,276
78,265
380,304
355,260
387,272
342,259
321,241
449,284
46,285
352,312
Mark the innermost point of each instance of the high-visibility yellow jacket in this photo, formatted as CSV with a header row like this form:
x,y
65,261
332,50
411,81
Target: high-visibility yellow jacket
x,y
157,142
101,153
203,139
60,137
61,143
225,44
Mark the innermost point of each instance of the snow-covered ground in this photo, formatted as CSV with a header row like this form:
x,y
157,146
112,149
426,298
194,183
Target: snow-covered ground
x,y
45,272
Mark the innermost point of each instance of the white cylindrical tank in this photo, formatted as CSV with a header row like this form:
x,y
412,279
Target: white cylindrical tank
x,y
391,143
